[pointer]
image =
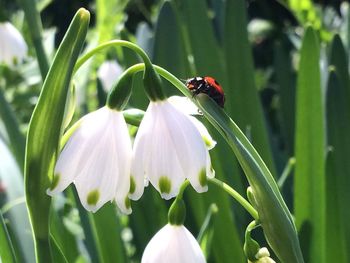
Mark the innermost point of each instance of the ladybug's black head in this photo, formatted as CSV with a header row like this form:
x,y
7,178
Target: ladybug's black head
x,y
194,83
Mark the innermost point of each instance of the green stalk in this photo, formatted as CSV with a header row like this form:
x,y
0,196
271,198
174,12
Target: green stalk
x,y
151,80
235,195
35,29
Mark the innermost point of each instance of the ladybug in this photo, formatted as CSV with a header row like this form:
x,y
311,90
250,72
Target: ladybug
x,y
209,86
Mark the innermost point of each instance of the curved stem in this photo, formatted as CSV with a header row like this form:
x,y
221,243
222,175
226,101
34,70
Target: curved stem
x,y
240,199
112,43
164,73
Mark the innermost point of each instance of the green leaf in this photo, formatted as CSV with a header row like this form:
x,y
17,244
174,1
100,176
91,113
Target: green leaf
x,y
16,138
309,182
205,236
276,220
286,87
242,96
168,37
61,238
107,233
7,254
199,39
45,131
338,171
339,59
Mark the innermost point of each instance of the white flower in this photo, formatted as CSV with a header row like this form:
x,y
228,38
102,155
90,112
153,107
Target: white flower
x,y
168,149
13,48
97,159
173,244
108,73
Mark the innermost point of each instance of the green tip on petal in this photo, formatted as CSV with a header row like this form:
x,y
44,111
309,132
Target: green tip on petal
x,y
55,181
164,185
132,185
203,177
93,197
127,202
207,141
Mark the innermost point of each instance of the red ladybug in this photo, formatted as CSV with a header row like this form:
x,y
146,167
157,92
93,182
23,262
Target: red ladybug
x,y
209,86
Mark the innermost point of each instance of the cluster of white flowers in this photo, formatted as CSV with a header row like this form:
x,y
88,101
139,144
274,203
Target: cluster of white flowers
x,y
170,146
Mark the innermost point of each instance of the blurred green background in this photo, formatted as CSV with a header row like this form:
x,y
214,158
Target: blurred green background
x,y
289,95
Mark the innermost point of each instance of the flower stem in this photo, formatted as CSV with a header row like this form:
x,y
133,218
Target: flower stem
x,y
240,199
34,23
151,80
113,43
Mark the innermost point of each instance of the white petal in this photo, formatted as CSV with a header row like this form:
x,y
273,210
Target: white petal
x,y
160,162
108,73
141,153
12,44
190,148
97,158
124,164
168,148
208,140
173,244
184,104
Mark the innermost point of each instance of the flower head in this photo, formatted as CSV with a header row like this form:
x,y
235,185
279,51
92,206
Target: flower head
x,y
13,48
173,244
168,149
97,159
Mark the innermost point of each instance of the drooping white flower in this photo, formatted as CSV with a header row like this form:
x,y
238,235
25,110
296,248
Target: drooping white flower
x,y
108,73
173,244
97,159
13,48
169,148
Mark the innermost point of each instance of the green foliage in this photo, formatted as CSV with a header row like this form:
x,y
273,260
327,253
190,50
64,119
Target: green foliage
x,y
310,198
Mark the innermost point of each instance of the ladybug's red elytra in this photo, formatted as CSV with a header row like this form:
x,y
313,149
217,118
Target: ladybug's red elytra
x,y
209,86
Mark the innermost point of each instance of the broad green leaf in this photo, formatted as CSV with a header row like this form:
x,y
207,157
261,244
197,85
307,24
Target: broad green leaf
x,y
242,96
45,130
339,59
205,236
61,238
168,38
14,209
286,87
16,138
276,220
338,171
7,253
199,38
106,229
309,179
